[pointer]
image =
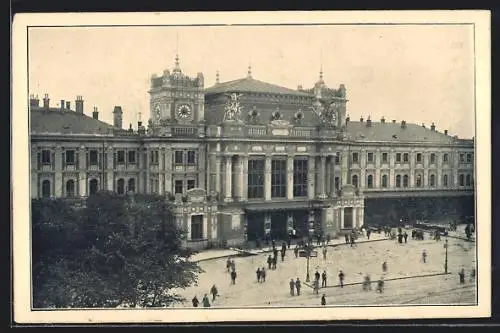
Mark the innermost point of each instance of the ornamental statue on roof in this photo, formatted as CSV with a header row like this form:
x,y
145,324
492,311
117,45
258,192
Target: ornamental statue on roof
x,y
232,109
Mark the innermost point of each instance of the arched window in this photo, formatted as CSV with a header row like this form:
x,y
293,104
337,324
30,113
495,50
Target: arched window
x,y
46,188
468,181
405,181
462,182
398,181
419,180
445,180
355,180
131,185
384,181
120,186
70,188
369,181
432,180
93,186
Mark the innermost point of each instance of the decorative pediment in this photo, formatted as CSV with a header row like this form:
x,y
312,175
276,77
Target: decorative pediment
x,y
196,195
348,190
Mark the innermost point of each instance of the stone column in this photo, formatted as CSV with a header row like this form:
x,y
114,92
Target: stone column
x,y
362,176
412,169
289,185
34,173
228,179
332,191
267,223
109,170
267,178
244,177
146,167
392,178
201,160
205,226
377,158
321,178
58,181
311,176
289,221
161,168
168,170
341,217
344,162
455,161
439,175
217,172
238,172
82,160
425,156
361,215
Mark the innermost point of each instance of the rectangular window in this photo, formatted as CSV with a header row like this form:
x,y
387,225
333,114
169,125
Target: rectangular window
x,y
179,157
462,158
384,158
405,157
354,157
131,157
93,157
337,158
255,179
445,158
398,157
337,183
191,157
469,158
278,178
191,184
154,157
433,158
419,158
70,157
370,157
178,187
46,156
120,157
196,227
299,178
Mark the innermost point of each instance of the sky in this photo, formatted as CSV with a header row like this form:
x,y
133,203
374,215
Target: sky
x,y
420,74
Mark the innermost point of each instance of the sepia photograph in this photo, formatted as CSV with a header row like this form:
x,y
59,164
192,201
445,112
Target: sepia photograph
x,y
208,167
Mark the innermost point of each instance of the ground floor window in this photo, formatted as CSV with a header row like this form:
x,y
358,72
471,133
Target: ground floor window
x,y
93,186
178,187
405,181
46,188
255,179
355,180
384,180
369,181
70,188
398,181
337,183
348,217
432,180
120,186
462,180
131,185
445,180
196,227
191,184
419,180
468,180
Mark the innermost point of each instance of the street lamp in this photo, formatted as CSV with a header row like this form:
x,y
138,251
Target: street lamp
x,y
308,254
446,257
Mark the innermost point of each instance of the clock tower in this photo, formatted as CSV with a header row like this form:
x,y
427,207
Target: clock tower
x,y
176,97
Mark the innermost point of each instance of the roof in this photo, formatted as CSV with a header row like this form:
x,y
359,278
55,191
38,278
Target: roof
x,y
249,84
55,120
389,131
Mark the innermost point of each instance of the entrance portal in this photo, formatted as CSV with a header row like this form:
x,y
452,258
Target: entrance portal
x,y
255,226
279,225
348,218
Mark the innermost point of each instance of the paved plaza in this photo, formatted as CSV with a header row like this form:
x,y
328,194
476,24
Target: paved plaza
x,y
408,279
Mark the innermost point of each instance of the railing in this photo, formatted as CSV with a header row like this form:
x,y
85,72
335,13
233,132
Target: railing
x,y
418,188
184,131
257,131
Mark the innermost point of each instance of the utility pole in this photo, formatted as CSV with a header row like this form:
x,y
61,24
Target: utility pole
x,y
446,257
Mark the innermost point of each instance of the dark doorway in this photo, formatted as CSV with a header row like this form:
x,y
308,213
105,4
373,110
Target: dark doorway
x,y
348,218
301,222
279,225
255,226
93,187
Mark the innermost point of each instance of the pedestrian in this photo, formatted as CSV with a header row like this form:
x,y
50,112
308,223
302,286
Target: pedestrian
x,y
323,300
341,279
214,292
328,238
400,238
473,275
367,284
283,254
275,252
384,267
317,276
323,279
195,301
297,286
296,251
461,275
228,264
269,262
424,256
233,265
259,274
263,274
206,302
273,244
380,285
275,262
405,235
346,236
292,287
233,277
283,247
324,252
368,233
289,241
316,287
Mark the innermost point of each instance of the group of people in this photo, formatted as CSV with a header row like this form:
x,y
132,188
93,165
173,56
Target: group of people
x,y
205,301
461,275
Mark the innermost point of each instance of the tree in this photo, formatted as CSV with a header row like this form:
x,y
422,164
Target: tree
x,y
127,251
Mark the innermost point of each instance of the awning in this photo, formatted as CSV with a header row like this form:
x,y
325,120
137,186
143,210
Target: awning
x,y
285,205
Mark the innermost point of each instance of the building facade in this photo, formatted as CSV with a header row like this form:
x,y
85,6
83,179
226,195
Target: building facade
x,y
246,158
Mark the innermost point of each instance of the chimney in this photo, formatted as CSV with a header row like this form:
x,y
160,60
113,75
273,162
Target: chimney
x,y
34,101
394,121
62,104
68,105
368,122
117,116
403,124
95,113
361,119
46,102
445,132
382,120
299,87
433,127
79,105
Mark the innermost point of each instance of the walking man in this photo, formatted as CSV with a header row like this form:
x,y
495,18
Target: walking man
x,y
461,275
297,286
292,288
317,276
206,302
324,252
296,251
323,300
341,279
228,264
258,274
263,274
323,279
384,267
405,235
195,301
275,261
424,256
346,236
368,233
214,292
283,254
269,262
473,275
380,285
316,287
233,277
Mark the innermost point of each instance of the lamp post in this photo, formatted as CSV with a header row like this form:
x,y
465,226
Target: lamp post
x,y
308,254
446,257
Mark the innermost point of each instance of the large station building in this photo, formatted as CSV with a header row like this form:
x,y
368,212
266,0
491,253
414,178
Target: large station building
x,y
244,158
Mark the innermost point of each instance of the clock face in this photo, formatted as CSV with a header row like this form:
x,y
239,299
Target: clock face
x,y
184,111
